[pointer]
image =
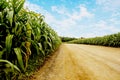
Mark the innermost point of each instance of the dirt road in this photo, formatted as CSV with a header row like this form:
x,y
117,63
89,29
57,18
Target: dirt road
x,y
82,62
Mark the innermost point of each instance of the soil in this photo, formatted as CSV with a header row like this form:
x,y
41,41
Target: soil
x,y
81,62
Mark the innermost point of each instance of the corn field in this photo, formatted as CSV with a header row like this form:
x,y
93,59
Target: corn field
x,y
112,40
24,36
67,39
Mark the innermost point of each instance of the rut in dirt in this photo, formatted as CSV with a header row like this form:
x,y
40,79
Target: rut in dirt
x,y
81,62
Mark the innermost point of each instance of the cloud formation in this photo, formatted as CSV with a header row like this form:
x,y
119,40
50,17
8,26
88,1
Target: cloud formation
x,y
109,5
82,13
80,21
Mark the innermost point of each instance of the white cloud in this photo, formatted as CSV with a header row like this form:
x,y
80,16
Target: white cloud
x,y
54,8
33,7
72,19
116,14
75,15
83,13
60,10
71,24
66,26
99,28
105,26
109,5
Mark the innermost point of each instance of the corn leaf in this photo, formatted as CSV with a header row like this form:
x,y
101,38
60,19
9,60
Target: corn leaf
x,y
19,6
10,17
19,57
29,31
8,43
11,65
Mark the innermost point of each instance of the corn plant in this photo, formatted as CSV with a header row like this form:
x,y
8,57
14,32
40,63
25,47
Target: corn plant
x,y
112,40
24,35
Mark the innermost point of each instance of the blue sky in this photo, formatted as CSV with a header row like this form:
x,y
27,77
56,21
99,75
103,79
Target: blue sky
x,y
79,18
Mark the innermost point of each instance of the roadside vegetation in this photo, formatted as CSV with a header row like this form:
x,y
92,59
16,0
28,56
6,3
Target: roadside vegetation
x,y
112,40
67,39
25,40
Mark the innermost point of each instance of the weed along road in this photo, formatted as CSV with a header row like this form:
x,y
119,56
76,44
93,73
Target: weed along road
x,y
81,62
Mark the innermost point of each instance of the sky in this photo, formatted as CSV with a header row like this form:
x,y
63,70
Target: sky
x,y
79,18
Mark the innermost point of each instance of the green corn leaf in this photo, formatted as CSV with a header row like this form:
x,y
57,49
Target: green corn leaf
x,y
40,46
41,49
28,33
1,53
38,33
1,47
8,43
3,5
10,64
44,37
50,45
19,57
10,17
19,6
14,1
35,46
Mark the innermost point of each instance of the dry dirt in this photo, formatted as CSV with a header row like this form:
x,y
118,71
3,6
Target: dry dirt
x,y
81,62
